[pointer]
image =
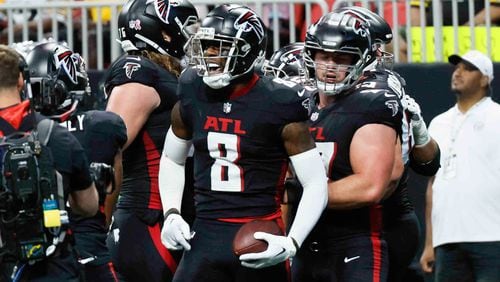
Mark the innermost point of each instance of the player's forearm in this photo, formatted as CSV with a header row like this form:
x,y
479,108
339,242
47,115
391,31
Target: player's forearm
x,y
311,174
171,177
425,153
355,191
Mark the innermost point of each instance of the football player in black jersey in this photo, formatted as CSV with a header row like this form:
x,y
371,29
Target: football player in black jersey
x,y
244,129
356,128
419,150
142,86
69,161
287,64
61,87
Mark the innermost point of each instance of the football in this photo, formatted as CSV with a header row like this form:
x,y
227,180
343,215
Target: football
x,y
244,242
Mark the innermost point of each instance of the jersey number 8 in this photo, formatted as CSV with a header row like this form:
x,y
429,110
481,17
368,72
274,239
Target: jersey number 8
x,y
225,174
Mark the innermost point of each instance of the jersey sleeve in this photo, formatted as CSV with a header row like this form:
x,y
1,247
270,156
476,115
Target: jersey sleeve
x,y
386,109
70,158
106,135
131,69
188,84
291,99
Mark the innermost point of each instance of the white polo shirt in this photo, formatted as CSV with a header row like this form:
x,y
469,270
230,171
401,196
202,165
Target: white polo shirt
x,y
466,191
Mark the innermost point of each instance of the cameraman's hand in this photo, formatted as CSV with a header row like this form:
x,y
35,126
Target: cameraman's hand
x,y
279,249
175,233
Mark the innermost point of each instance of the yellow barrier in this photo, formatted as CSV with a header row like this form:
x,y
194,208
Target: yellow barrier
x,y
464,42
105,14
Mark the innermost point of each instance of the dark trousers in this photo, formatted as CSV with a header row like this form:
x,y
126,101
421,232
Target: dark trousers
x,y
136,249
211,258
468,262
402,236
356,259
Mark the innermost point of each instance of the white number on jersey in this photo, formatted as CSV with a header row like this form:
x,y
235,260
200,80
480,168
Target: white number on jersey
x,y
225,174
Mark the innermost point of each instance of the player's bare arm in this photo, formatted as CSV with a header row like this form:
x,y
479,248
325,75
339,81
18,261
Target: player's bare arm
x,y
372,159
296,138
425,153
397,169
133,102
178,127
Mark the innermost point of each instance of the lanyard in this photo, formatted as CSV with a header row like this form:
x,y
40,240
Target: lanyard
x,y
458,121
450,161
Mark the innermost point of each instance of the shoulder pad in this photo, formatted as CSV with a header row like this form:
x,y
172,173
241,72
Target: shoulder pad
x,y
132,69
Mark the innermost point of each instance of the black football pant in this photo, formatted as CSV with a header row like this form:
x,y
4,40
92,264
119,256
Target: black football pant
x,y
402,236
135,246
211,258
354,259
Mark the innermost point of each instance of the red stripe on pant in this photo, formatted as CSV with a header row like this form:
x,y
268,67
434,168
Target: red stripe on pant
x,y
376,226
113,271
155,233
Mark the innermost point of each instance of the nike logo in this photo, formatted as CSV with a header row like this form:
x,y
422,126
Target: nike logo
x,y
389,95
346,259
136,58
282,251
301,92
87,260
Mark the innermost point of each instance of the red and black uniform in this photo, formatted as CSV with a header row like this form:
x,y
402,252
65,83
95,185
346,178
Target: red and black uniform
x,y
239,168
139,214
347,245
401,226
101,134
71,162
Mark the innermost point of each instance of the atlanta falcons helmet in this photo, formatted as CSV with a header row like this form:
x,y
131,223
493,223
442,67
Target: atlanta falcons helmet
x,y
59,79
286,62
237,36
343,34
380,31
161,26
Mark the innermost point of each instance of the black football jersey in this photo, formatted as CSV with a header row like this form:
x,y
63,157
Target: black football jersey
x,y
333,128
398,204
101,134
141,159
240,161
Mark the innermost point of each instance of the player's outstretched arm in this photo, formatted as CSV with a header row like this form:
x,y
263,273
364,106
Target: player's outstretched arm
x,y
311,173
175,233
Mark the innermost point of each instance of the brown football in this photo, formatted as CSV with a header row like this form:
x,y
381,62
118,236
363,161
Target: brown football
x,y
244,242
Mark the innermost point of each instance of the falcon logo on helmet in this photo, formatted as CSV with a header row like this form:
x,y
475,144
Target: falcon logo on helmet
x,y
359,27
162,8
64,58
250,21
130,68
